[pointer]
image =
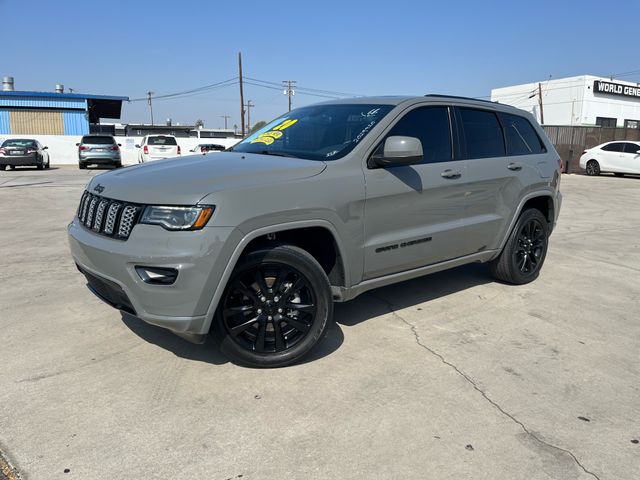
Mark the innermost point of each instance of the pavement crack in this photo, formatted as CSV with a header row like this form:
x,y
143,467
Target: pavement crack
x,y
469,380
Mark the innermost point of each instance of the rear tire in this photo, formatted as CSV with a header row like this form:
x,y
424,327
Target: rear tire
x,y
593,168
82,166
523,255
274,309
3,167
39,166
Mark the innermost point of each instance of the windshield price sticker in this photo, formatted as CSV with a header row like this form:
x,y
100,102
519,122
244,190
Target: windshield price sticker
x,y
276,132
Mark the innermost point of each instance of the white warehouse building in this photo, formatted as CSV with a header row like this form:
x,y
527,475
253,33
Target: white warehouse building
x,y
585,100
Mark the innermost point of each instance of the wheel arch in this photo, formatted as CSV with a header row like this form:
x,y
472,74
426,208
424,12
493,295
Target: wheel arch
x,y
541,200
278,234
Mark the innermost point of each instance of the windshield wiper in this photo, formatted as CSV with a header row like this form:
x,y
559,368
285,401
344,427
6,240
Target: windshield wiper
x,y
272,152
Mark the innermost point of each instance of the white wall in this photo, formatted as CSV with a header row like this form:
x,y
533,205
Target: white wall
x,y
561,99
570,101
63,150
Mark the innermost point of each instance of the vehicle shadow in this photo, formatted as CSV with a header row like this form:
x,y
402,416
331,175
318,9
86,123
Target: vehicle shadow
x,y
31,169
163,338
411,293
368,305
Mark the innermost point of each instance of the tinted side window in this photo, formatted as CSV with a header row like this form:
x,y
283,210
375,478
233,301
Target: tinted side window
x,y
631,148
521,137
482,133
613,147
431,126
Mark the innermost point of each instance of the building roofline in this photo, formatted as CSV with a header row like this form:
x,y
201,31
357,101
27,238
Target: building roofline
x,y
84,96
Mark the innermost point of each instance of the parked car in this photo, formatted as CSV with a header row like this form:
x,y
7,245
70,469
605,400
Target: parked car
x,y
98,150
208,147
157,147
331,200
23,152
617,157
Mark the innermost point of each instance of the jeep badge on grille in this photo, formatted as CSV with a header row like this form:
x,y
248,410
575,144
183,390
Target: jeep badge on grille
x,y
98,188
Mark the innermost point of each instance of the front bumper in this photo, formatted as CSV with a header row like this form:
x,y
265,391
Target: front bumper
x,y
19,160
199,256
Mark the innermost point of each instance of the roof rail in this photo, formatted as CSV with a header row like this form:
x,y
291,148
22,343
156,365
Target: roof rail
x,y
458,97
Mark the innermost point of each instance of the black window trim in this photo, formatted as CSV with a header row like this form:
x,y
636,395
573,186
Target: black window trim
x,y
455,153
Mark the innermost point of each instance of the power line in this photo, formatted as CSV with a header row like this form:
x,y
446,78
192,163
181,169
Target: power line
x,y
193,90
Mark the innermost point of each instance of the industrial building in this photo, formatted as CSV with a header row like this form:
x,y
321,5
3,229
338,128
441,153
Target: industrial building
x,y
53,113
585,100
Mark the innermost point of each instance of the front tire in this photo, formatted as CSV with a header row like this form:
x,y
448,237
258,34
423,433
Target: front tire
x,y
523,255
275,308
618,174
593,168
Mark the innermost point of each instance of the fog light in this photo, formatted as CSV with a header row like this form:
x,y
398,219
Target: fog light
x,y
157,275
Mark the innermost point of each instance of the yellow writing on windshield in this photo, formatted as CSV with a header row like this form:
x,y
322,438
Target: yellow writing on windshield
x,y
276,132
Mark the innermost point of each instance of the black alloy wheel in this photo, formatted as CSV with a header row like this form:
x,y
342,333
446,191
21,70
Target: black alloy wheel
x,y
525,250
531,247
593,168
275,307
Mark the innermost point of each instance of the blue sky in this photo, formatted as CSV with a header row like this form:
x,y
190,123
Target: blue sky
x,y
361,47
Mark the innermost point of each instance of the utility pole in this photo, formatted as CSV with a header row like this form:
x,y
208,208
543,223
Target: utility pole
x,y
249,105
241,93
150,105
288,89
540,103
226,117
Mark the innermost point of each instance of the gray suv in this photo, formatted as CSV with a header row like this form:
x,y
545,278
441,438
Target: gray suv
x,y
98,150
255,244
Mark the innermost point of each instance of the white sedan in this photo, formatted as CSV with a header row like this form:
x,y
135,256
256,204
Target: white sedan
x,y
157,147
618,157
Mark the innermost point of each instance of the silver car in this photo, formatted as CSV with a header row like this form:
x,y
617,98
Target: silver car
x,y
255,244
98,150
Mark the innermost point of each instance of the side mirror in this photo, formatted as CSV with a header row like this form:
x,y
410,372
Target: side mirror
x,y
192,150
119,144
137,146
77,144
45,148
398,151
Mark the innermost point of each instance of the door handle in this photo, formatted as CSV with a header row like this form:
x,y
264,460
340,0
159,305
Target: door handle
x,y
514,166
450,174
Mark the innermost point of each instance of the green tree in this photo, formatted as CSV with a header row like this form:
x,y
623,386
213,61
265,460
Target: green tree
x,y
257,126
199,123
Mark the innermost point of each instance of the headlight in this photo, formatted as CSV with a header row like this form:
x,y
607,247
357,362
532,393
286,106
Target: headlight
x,y
177,218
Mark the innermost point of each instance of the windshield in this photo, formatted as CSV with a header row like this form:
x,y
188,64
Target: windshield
x,y
320,132
19,143
96,140
162,141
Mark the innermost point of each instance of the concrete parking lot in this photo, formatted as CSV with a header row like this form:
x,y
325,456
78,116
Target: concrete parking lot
x,y
451,376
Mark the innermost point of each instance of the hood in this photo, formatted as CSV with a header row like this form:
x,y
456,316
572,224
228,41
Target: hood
x,y
186,180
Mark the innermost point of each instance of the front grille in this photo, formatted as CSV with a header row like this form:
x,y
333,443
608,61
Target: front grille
x,y
112,218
